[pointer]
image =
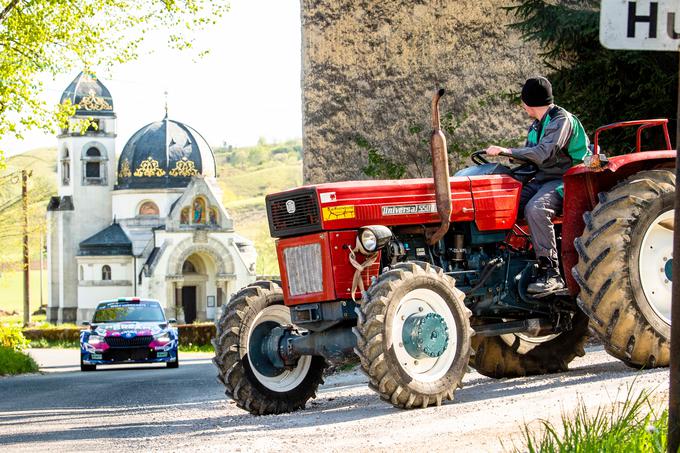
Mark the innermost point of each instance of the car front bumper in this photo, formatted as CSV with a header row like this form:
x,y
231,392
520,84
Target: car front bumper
x,y
128,355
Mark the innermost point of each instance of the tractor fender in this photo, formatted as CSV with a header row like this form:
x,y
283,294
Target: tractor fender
x,y
581,188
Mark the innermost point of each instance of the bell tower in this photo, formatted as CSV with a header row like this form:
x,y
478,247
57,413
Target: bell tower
x,y
86,174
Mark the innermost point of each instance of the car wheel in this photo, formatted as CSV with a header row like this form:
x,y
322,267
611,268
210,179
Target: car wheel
x,y
86,366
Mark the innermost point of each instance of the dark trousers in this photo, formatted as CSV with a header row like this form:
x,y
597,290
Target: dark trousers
x,y
540,202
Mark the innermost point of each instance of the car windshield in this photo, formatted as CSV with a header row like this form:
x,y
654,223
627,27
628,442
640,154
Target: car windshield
x,y
141,312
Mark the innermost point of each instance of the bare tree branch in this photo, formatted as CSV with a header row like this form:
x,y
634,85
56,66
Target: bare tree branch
x,y
10,6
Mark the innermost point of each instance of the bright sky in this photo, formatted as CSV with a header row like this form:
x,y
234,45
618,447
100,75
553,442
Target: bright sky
x,y
247,87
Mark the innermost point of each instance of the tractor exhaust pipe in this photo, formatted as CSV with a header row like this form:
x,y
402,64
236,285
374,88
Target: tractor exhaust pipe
x,y
440,172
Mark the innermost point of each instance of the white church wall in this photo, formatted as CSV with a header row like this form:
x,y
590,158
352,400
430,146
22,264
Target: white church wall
x,y
126,203
92,288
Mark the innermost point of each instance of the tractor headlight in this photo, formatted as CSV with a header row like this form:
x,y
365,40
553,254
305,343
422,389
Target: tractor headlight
x,y
372,238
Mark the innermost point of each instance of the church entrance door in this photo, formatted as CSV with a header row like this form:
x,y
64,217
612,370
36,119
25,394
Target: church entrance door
x,y
189,303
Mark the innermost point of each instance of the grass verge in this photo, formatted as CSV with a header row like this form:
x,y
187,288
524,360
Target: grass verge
x,y
15,362
636,425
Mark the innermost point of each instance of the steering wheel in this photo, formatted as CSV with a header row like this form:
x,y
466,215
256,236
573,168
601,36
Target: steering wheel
x,y
526,169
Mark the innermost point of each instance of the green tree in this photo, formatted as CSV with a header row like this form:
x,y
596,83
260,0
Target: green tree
x,y
47,37
600,86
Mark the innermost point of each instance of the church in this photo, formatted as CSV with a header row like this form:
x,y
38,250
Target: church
x,y
147,222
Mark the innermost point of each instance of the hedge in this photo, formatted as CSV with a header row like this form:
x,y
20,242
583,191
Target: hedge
x,y
196,334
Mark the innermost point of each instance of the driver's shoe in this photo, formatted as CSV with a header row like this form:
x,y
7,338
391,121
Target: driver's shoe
x,y
549,281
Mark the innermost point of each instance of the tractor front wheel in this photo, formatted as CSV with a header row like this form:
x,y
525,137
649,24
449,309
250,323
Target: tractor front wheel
x,y
624,268
413,336
255,383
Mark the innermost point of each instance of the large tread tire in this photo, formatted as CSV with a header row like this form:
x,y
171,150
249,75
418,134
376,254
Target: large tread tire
x,y
510,356
608,274
233,365
386,375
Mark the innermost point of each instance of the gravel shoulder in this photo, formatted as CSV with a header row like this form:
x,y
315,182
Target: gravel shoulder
x,y
185,409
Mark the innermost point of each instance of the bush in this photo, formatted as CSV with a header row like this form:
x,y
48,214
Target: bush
x,y
15,362
194,334
12,338
63,334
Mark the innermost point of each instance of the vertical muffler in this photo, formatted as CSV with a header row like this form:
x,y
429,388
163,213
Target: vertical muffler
x,y
440,172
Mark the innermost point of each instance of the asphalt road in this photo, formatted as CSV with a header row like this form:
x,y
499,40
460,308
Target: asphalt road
x,y
154,408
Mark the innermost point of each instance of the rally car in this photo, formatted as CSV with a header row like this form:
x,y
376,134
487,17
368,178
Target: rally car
x,y
128,330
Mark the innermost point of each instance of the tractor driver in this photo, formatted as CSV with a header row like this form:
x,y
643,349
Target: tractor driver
x,y
556,142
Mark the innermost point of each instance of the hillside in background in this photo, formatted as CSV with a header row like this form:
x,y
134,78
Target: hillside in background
x,y
245,176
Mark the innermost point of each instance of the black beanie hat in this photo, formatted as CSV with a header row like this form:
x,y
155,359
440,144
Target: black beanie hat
x,y
537,92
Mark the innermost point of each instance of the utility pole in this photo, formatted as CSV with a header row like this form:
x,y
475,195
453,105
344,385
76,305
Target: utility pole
x,y
41,268
24,206
674,388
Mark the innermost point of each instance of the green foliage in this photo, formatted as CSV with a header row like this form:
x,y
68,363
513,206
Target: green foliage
x,y
599,85
12,338
262,155
634,426
15,362
47,37
56,344
379,166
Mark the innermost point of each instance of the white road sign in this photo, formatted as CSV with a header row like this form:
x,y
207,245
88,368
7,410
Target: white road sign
x,y
640,25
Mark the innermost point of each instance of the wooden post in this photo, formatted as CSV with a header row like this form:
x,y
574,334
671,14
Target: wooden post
x,y
24,206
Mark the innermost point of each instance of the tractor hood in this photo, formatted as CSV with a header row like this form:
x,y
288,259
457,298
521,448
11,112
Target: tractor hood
x,y
490,200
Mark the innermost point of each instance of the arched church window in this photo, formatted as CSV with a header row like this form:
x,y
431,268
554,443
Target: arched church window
x,y
184,216
82,273
106,272
65,168
199,211
188,267
149,208
94,161
213,216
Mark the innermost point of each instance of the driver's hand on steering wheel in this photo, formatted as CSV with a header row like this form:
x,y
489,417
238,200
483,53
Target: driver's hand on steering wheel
x,y
494,150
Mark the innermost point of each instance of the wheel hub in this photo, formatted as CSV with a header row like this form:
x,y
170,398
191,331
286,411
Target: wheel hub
x,y
425,336
263,338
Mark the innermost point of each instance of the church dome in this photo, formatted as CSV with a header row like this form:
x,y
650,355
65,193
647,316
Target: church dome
x,y
90,94
164,154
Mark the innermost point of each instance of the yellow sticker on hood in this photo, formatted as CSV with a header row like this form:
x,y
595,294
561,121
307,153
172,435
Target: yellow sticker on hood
x,y
338,213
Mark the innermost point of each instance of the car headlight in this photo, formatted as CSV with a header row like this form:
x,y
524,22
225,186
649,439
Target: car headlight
x,y
163,338
372,238
95,339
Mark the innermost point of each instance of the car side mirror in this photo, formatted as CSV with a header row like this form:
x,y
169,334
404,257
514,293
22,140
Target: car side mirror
x,y
172,321
86,323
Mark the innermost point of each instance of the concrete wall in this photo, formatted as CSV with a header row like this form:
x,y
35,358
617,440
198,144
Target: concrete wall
x,y
370,69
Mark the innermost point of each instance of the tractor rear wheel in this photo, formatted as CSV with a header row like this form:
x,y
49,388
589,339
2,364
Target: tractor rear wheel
x,y
624,268
251,380
413,336
514,355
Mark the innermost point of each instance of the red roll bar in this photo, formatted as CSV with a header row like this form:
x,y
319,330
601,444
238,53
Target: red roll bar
x,y
644,124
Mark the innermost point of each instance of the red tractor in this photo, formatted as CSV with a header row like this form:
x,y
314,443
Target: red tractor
x,y
421,278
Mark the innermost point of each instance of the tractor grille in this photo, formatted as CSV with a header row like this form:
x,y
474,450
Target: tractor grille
x,y
135,342
293,213
303,268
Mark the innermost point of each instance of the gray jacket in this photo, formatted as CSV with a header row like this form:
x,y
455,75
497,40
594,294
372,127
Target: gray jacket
x,y
550,151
